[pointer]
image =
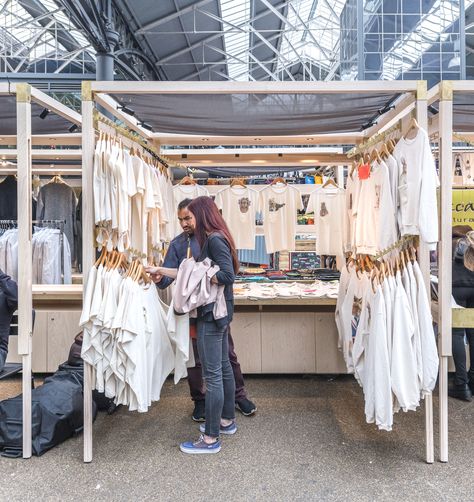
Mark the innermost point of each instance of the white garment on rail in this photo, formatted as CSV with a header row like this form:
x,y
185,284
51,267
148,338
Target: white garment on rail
x,y
182,192
403,364
352,203
417,183
178,330
239,207
279,205
375,224
377,384
429,350
330,219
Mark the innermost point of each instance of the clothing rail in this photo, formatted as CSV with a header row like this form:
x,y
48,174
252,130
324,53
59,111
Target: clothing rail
x,y
59,225
98,118
377,138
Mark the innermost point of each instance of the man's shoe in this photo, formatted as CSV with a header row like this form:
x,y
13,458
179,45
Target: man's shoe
x,y
224,429
462,392
200,447
246,407
199,413
471,385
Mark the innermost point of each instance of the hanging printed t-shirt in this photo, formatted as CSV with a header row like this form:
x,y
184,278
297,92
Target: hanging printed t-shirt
x,y
181,192
352,201
330,220
279,205
417,183
375,226
239,206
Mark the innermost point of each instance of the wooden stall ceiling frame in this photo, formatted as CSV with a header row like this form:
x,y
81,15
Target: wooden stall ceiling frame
x,y
25,94
67,139
96,91
209,140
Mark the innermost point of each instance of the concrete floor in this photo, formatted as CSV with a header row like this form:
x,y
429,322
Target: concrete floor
x,y
308,441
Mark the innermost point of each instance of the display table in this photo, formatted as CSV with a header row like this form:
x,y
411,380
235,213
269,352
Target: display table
x,y
279,335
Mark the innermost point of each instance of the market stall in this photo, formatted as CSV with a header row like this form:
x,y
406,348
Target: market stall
x,y
313,108
22,107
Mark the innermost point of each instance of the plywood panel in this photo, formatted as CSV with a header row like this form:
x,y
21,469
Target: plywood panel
x,y
40,343
246,333
329,358
288,342
63,326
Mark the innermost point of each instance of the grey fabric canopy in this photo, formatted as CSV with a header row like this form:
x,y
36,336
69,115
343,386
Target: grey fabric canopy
x,y
257,114
463,112
51,124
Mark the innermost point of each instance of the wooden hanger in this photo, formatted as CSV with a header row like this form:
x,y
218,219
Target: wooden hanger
x,y
237,182
413,126
330,181
384,151
99,260
187,180
278,179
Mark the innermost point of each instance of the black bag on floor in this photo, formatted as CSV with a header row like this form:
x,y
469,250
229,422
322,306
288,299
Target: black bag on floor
x,y
57,413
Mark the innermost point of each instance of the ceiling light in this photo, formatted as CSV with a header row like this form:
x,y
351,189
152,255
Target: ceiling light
x,y
44,113
455,61
309,139
257,139
206,161
258,161
126,110
73,128
205,139
145,126
308,161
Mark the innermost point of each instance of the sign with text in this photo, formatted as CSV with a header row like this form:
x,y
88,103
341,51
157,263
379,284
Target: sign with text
x,y
463,207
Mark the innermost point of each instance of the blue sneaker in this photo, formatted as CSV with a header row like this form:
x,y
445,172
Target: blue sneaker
x,y
227,430
200,447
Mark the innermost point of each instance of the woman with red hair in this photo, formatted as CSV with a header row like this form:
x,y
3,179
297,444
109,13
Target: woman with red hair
x,y
217,244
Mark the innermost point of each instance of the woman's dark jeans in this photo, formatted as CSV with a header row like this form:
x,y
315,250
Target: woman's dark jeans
x,y
465,298
213,348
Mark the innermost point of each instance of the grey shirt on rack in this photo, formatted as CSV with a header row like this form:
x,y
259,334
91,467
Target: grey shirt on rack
x,y
57,201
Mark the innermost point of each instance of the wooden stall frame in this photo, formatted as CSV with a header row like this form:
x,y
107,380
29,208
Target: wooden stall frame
x,y
25,95
444,94
415,97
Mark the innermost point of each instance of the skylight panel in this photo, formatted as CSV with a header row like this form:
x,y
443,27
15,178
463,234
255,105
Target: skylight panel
x,y
237,12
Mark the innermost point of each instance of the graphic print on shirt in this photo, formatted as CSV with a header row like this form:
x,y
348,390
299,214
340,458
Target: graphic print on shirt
x,y
274,206
244,204
323,211
356,311
377,196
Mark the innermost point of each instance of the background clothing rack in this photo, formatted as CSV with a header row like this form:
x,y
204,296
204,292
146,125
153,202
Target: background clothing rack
x,y
55,224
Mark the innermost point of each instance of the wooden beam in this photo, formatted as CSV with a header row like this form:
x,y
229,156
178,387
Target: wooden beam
x,y
463,318
306,139
445,258
112,106
433,94
60,154
88,244
55,106
25,255
72,139
226,87
387,120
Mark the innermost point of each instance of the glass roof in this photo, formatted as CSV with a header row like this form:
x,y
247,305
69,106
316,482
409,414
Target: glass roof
x,y
313,32
309,35
34,38
432,27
